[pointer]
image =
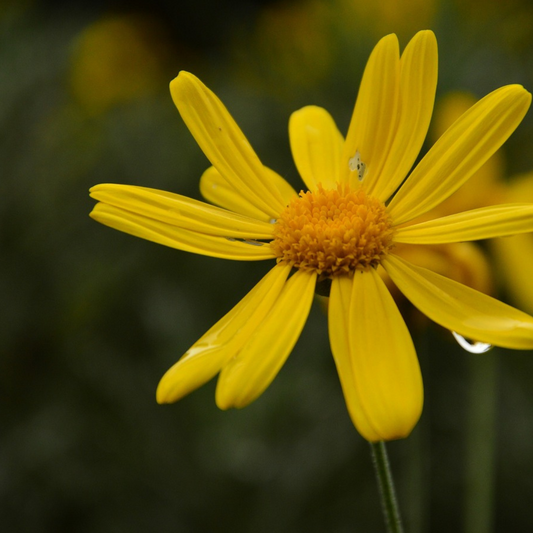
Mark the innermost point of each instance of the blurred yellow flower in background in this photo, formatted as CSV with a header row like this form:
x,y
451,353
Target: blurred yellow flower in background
x,y
463,261
118,59
294,46
349,222
514,255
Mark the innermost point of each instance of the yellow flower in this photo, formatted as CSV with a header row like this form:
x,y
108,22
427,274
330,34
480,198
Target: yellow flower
x,y
346,225
464,261
117,59
514,255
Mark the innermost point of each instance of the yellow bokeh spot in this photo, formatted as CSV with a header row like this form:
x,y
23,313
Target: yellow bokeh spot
x,y
333,232
118,59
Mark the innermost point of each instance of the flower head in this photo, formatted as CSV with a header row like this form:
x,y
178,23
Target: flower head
x,y
357,208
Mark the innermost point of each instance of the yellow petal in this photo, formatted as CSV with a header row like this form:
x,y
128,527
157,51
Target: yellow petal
x,y
284,188
181,211
339,327
223,142
223,341
477,224
217,190
246,376
461,309
375,357
374,118
180,238
485,187
465,146
316,146
418,82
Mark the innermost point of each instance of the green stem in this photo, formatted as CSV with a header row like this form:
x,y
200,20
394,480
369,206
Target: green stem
x,y
386,487
480,443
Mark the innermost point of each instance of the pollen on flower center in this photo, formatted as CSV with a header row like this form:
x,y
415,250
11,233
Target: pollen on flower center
x,y
333,231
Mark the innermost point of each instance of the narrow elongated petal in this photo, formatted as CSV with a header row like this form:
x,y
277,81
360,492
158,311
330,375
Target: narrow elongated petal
x,y
181,211
465,146
246,376
223,142
418,83
339,327
459,308
316,146
477,224
180,238
223,341
217,190
384,391
374,119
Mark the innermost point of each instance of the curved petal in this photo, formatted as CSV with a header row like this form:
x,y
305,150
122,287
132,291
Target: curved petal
x,y
217,190
285,189
246,376
379,372
375,115
465,146
181,211
461,309
474,225
223,142
316,146
223,341
180,238
418,83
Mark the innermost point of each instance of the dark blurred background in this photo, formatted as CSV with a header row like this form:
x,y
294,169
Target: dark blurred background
x,y
92,318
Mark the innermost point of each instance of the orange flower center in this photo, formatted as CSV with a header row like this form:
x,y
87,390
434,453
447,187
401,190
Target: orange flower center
x,y
333,231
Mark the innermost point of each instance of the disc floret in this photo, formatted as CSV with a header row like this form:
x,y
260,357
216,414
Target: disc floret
x,y
333,231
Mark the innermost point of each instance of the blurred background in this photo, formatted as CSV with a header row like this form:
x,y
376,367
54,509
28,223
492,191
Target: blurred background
x,y
91,318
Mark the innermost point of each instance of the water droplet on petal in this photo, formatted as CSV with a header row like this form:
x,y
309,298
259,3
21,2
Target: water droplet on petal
x,y
472,346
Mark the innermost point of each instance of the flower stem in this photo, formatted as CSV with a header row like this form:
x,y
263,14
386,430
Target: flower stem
x,y
386,487
480,443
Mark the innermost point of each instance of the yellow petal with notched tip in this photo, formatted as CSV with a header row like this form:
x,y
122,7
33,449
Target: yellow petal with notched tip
x,y
316,146
223,142
477,224
375,357
217,190
465,146
374,118
180,238
459,308
223,341
181,211
246,376
418,83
